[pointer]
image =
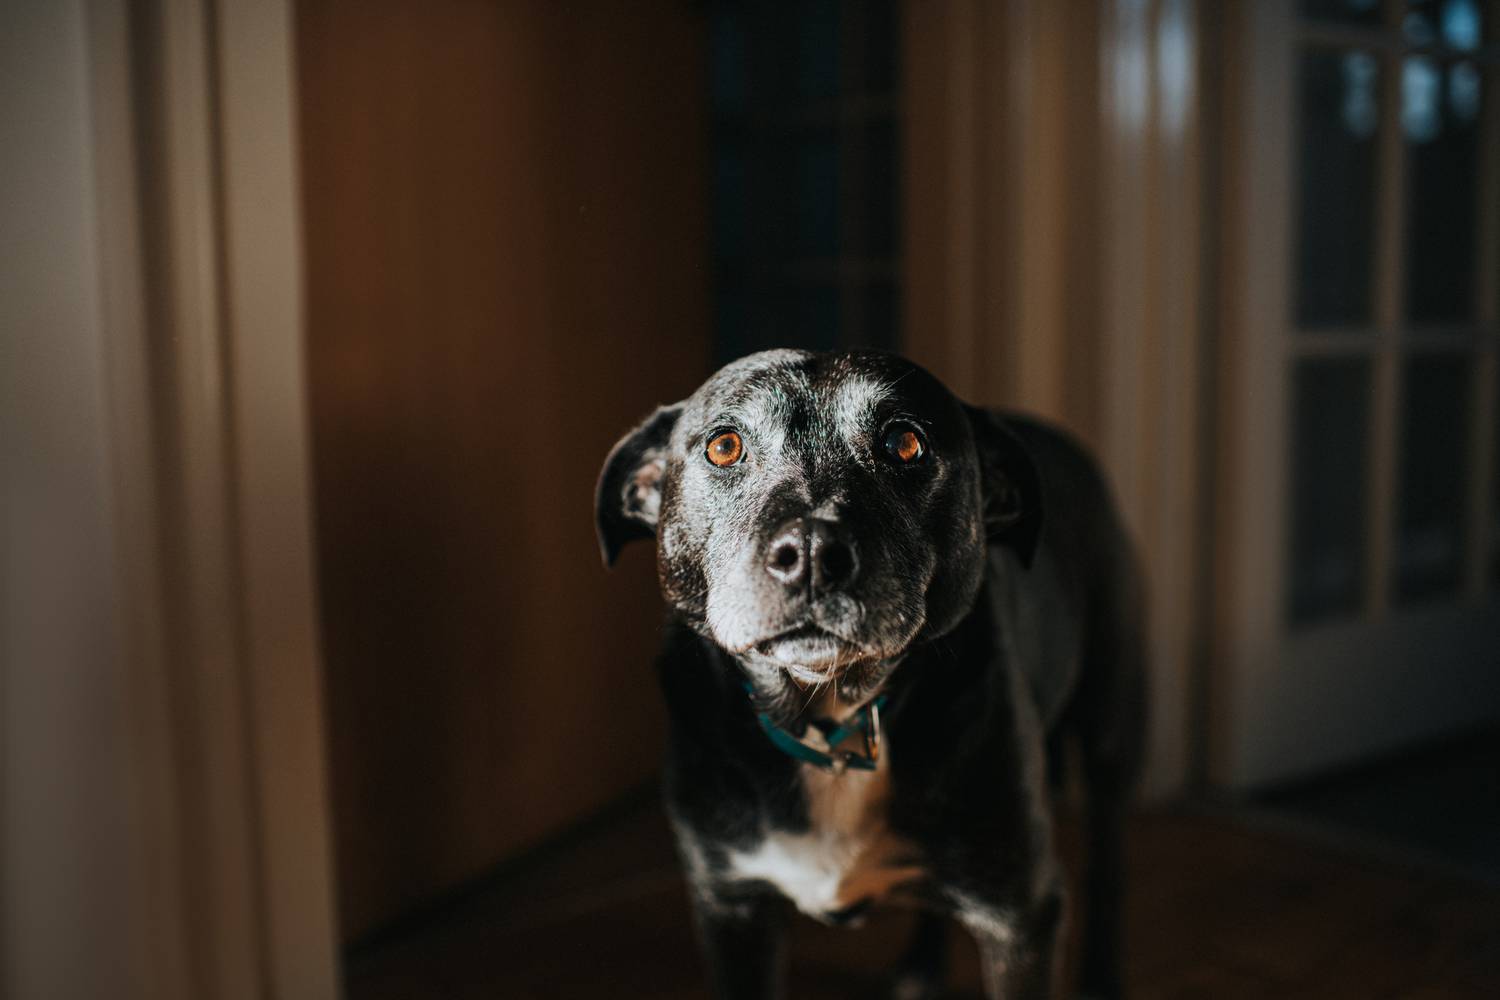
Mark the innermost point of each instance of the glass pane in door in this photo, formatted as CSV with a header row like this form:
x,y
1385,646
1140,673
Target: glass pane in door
x,y
1434,455
1362,12
813,309
806,153
1330,417
816,206
1440,116
1339,116
877,236
882,305
1458,24
818,43
1495,497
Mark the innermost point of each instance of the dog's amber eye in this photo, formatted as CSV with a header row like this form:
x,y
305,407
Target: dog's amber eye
x,y
726,449
904,444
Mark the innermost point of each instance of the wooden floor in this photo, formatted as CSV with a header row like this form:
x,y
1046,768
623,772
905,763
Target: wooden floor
x,y
1220,905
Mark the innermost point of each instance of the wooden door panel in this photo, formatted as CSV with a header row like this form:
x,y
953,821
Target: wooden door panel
x,y
504,215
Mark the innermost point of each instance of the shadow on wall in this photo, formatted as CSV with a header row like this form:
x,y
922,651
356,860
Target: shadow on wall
x,y
504,215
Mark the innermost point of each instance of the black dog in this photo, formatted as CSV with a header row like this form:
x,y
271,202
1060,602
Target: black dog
x,y
887,608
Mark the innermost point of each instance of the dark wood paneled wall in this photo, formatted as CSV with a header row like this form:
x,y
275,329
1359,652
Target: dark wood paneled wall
x,y
505,235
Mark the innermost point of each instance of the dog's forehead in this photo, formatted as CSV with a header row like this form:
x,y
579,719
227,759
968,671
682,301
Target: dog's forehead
x,y
820,393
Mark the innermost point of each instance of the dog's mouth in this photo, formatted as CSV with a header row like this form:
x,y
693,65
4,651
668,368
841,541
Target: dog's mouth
x,y
809,653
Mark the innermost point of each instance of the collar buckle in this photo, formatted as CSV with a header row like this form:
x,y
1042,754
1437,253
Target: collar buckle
x,y
866,722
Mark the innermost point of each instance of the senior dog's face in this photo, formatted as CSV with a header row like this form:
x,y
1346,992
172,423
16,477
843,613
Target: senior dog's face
x,y
817,514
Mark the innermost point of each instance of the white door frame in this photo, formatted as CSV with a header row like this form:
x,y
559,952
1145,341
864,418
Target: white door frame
x,y
1287,701
227,489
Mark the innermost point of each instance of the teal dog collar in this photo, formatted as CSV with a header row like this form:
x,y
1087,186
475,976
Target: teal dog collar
x,y
865,723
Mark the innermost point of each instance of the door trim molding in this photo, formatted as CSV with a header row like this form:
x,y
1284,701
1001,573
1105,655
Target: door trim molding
x,y
1290,699
202,309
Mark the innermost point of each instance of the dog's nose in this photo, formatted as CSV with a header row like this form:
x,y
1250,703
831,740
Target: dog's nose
x,y
786,558
833,560
811,551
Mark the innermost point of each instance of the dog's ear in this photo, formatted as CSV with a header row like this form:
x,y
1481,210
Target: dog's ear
x,y
628,497
1011,484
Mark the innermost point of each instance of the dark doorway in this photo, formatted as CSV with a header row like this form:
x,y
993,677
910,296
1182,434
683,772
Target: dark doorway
x,y
805,159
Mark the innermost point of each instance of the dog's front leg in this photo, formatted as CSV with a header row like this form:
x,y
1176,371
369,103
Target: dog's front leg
x,y
741,939
1019,956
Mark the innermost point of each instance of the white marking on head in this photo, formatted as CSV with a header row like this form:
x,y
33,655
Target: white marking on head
x,y
762,419
856,401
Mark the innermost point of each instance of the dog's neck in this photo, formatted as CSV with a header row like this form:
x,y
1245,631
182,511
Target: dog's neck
x,y
828,743
829,704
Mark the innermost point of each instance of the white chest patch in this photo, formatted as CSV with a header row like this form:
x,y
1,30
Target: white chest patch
x,y
847,856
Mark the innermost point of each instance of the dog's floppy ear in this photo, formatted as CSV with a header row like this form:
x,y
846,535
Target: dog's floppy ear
x,y
628,497
1011,485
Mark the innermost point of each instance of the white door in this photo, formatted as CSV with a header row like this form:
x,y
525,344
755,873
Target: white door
x,y
1358,492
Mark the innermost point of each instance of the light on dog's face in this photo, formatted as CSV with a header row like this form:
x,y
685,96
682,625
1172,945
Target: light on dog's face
x,y
810,508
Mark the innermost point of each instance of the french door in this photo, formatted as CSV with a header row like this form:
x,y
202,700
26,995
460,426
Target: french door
x,y
1358,485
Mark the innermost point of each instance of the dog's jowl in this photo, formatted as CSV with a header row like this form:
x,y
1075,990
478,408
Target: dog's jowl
x,y
888,611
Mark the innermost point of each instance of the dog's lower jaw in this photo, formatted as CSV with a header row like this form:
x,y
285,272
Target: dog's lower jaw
x,y
844,676
786,693
808,675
